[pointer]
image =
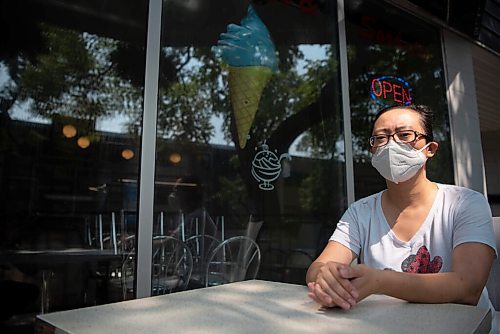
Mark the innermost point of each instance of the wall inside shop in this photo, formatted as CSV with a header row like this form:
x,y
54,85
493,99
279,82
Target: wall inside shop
x,y
487,79
464,115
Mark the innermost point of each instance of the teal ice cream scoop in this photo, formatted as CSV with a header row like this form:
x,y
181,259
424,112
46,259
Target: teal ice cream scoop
x,y
247,44
249,51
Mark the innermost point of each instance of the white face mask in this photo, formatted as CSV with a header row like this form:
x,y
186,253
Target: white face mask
x,y
398,162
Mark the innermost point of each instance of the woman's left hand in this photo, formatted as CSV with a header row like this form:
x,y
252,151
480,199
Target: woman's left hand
x,y
366,280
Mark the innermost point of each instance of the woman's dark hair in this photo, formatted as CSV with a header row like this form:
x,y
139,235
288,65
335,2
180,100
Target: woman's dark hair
x,y
426,117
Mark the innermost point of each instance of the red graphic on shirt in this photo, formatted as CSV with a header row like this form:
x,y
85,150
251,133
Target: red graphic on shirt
x,y
421,263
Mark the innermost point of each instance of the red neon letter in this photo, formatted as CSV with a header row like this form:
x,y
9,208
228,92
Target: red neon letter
x,y
387,88
396,89
406,96
379,87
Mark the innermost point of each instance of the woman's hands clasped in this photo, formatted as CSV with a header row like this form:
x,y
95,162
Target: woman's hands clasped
x,y
342,285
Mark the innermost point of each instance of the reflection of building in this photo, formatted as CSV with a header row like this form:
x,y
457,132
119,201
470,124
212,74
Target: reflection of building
x,y
48,180
62,174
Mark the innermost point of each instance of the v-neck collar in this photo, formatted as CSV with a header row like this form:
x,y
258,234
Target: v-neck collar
x,y
427,222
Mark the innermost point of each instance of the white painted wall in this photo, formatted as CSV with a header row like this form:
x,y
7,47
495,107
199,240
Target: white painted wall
x,y
464,117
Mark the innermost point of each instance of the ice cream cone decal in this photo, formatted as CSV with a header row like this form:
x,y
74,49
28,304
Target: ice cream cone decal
x,y
251,55
246,85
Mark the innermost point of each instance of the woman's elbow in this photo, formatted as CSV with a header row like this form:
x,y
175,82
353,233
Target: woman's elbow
x,y
470,294
470,300
472,265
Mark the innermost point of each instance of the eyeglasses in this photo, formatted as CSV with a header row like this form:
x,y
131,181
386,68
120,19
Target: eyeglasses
x,y
405,136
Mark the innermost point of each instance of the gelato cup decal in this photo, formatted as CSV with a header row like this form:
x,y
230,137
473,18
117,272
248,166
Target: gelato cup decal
x,y
250,53
266,167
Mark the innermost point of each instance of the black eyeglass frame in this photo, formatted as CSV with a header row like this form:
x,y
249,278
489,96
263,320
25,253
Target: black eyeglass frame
x,y
396,139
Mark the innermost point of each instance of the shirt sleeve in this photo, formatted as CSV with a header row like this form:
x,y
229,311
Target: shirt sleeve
x,y
347,231
473,222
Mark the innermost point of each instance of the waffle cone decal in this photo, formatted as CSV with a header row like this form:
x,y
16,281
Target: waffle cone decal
x,y
246,85
250,53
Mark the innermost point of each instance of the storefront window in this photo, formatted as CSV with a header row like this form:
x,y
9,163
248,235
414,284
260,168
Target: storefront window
x,y
250,136
393,59
71,87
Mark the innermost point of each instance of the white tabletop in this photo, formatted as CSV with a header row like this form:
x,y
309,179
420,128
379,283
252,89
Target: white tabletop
x,y
263,307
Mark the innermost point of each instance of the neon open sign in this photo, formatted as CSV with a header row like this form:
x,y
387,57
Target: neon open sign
x,y
388,90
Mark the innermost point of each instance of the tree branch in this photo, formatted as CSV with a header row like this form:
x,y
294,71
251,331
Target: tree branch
x,y
293,126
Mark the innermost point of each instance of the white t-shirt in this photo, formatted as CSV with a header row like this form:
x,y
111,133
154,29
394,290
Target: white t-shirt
x,y
458,215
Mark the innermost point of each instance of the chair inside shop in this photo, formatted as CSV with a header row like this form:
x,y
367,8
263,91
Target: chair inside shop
x,y
296,265
127,274
273,263
235,259
171,267
200,246
198,222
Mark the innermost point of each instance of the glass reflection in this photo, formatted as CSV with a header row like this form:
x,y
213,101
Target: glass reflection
x,y
71,82
281,180
404,54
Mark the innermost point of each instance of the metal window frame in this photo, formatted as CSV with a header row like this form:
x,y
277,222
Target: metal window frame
x,y
148,152
346,103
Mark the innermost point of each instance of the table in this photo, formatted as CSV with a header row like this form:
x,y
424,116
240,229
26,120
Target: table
x,y
53,257
49,259
263,307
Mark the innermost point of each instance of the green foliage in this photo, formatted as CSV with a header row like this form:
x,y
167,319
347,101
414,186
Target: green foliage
x,y
91,77
75,77
316,194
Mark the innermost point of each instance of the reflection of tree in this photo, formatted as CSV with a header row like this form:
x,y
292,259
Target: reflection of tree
x,y
188,102
87,76
74,77
294,104
315,195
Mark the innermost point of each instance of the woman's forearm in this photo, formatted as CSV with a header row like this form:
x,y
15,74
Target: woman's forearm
x,y
447,287
464,284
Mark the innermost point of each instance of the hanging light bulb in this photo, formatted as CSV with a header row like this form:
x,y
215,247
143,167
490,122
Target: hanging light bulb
x,y
127,154
83,142
175,158
69,131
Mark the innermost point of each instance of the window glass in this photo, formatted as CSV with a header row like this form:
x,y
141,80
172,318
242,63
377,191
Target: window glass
x,y
71,87
250,145
393,59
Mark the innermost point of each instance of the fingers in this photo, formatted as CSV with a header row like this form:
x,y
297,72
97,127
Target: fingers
x,y
340,284
348,272
331,289
334,295
326,300
312,294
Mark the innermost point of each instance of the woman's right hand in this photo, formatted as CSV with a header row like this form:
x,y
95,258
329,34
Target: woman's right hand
x,y
329,289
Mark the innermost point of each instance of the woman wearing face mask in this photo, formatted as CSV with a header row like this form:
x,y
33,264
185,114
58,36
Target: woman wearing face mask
x,y
417,240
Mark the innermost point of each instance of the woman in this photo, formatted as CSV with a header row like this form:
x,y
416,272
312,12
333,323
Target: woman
x,y
412,228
